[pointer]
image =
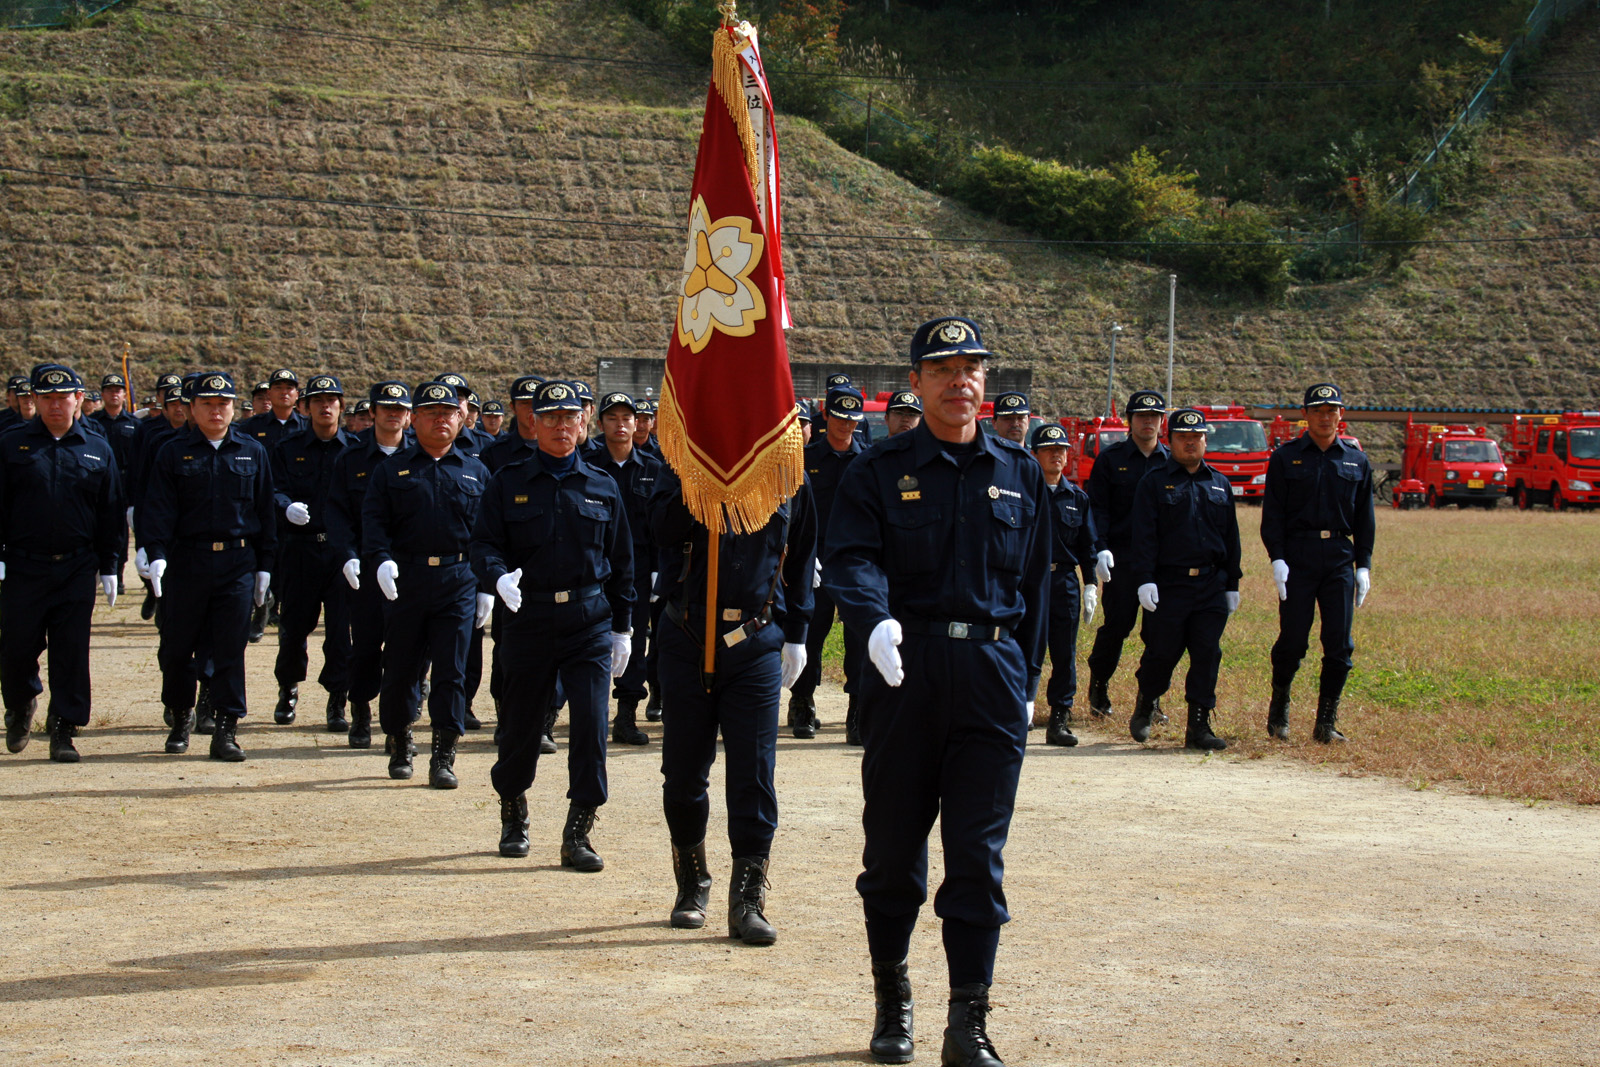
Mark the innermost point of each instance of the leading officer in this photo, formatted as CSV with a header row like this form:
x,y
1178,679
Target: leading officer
x,y
60,522
1318,526
939,550
1185,561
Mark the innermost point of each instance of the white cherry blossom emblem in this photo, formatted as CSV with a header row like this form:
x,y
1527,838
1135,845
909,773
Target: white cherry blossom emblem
x,y
717,293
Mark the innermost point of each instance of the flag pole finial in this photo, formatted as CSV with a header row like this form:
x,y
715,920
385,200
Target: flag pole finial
x,y
730,12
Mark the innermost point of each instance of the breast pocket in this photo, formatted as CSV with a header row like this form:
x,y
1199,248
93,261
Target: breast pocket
x,y
916,538
1012,523
92,474
240,477
467,499
593,520
1070,514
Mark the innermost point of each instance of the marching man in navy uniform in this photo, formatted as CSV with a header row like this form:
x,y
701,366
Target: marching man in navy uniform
x,y
1116,473
211,537
903,412
764,597
1318,526
553,542
312,584
61,521
1185,561
1011,417
1073,539
416,523
281,419
826,460
939,549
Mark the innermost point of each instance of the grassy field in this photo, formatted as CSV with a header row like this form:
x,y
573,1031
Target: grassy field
x,y
1477,661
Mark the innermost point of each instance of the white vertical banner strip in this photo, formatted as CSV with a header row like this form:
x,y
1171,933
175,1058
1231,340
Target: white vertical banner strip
x,y
758,98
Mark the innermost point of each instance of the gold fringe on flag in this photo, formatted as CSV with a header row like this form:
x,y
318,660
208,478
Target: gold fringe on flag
x,y
770,473
727,74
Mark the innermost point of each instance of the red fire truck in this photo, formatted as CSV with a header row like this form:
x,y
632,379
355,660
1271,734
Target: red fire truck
x,y
1555,460
1237,446
1452,464
1088,437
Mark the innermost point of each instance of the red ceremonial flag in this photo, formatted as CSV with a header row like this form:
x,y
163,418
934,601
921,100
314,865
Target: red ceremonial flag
x,y
727,418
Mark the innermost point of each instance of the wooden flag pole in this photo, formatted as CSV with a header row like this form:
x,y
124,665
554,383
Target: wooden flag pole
x,y
713,566
127,383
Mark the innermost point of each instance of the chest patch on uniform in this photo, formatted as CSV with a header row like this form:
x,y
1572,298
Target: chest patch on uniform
x,y
29,448
906,484
994,492
914,494
90,455
1295,462
402,474
299,459
520,498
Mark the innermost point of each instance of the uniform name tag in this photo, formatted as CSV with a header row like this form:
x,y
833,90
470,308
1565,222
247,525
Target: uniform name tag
x,y
520,498
915,494
403,473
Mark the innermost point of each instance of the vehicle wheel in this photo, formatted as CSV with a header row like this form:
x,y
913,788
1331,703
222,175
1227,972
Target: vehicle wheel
x,y
1556,501
1524,501
1433,497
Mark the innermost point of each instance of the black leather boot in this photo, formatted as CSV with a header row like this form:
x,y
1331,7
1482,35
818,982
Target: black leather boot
x,y
693,876
966,1036
892,1039
547,743
147,610
1199,734
337,723
625,730
747,902
288,697
205,718
514,825
1327,728
224,740
61,748
852,724
1099,696
258,622
442,764
576,851
178,738
19,726
652,704
1144,711
471,721
802,716
1058,732
360,724
1278,713
400,752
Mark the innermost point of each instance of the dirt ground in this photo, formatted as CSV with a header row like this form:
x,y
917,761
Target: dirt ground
x,y
300,908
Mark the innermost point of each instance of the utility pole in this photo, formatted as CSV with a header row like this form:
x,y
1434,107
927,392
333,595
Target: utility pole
x,y
1111,374
1172,321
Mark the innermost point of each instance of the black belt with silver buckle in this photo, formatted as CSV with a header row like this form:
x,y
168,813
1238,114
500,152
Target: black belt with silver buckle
x,y
215,546
746,629
961,631
306,537
1184,572
563,596
42,557
434,561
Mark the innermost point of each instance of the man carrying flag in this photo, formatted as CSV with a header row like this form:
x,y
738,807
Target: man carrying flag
x,y
737,550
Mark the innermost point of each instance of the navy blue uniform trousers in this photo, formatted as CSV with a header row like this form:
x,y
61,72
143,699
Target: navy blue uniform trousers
x,y
47,604
543,646
631,686
366,639
1322,578
1119,611
313,586
946,744
743,704
816,636
208,600
1190,617
428,622
1062,689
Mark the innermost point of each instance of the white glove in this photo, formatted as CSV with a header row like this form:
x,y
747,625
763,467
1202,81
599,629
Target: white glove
x,y
388,571
654,596
816,579
158,567
2,570
141,563
510,589
1233,601
621,649
297,513
1363,584
263,582
882,646
352,573
1280,578
1149,596
485,606
108,586
793,658
130,515
1091,601
1103,562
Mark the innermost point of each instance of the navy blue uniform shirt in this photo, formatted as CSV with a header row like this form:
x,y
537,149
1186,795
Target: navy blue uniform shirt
x,y
564,530
59,497
1184,520
922,529
418,506
119,432
347,489
636,479
267,431
824,468
1309,489
507,448
200,494
1112,480
748,570
1073,537
302,471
